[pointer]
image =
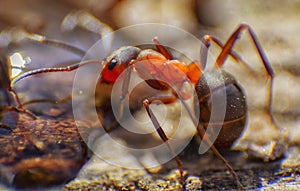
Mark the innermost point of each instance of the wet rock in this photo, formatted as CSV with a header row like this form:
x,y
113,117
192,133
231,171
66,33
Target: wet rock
x,y
41,152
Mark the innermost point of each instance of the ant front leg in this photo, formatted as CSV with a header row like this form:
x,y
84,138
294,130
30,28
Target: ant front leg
x,y
162,49
147,103
125,88
159,130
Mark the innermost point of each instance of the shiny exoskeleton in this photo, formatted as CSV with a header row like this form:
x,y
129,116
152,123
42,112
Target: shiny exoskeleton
x,y
209,87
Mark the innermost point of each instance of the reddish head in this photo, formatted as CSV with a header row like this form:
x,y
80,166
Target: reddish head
x,y
117,62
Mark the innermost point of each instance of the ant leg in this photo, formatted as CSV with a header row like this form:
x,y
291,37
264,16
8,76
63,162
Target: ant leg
x,y
16,97
228,48
40,71
159,130
87,21
146,104
125,88
45,70
162,49
19,105
232,40
4,126
79,18
15,35
206,43
90,23
48,70
64,100
142,70
61,101
205,137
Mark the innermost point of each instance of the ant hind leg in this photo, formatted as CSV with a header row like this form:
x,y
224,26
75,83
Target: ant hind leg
x,y
227,50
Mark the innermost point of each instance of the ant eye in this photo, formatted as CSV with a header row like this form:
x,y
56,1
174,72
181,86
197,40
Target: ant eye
x,y
112,63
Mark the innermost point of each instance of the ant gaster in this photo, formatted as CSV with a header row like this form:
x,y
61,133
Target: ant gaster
x,y
159,69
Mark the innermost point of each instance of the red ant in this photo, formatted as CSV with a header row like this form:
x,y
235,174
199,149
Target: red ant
x,y
165,73
9,99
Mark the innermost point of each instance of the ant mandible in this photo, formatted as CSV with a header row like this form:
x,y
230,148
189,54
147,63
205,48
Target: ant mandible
x,y
162,69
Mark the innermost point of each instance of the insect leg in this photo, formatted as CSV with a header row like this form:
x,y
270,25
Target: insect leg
x,y
87,21
231,42
159,130
228,48
206,43
9,102
162,49
125,88
90,23
4,126
63,100
205,137
15,35
45,70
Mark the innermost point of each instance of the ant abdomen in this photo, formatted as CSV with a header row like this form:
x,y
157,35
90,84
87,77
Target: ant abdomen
x,y
211,87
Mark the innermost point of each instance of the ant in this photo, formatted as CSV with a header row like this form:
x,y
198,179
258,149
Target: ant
x,y
9,99
166,73
29,156
80,19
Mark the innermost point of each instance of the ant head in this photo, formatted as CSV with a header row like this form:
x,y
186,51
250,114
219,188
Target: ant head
x,y
117,62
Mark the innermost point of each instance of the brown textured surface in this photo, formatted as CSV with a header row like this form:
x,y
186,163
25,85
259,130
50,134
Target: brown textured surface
x,y
40,152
